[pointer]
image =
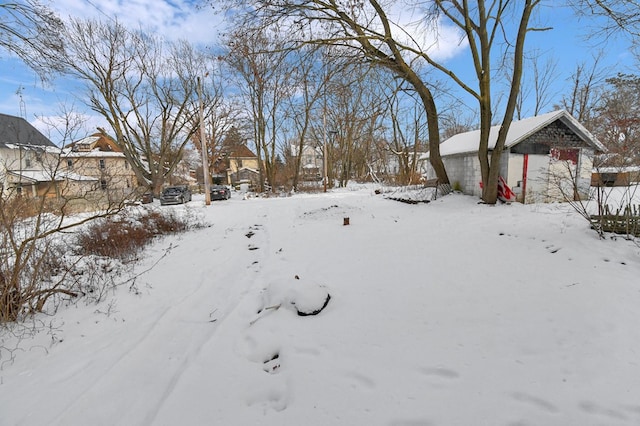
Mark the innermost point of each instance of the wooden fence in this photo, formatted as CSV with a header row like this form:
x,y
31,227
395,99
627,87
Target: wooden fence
x,y
625,220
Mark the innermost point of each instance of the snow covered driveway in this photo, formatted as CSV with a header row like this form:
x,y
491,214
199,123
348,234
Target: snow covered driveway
x,y
448,313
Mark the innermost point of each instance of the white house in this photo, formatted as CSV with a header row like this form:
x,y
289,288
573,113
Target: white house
x,y
542,154
311,163
28,160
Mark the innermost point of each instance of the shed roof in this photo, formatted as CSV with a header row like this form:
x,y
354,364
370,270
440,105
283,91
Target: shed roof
x,y
520,130
16,130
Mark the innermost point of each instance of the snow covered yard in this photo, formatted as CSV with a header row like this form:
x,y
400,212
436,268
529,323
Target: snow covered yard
x,y
447,313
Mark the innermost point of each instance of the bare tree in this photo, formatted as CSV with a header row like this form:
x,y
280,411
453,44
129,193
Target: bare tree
x,y
366,28
311,87
143,86
407,133
266,81
536,85
622,15
363,28
618,119
31,30
586,81
354,107
221,113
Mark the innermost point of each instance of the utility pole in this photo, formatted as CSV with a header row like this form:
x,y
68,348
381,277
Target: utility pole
x,y
324,124
324,148
203,148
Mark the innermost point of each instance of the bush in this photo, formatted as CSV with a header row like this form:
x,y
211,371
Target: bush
x,y
36,267
123,237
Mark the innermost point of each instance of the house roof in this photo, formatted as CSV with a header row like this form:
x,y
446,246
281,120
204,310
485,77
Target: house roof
x,y
241,151
34,175
48,176
17,131
94,154
99,141
520,130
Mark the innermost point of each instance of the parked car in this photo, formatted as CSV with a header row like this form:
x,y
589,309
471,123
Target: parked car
x,y
175,195
220,192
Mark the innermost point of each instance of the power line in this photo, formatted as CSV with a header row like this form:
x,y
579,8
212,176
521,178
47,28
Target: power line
x,y
99,10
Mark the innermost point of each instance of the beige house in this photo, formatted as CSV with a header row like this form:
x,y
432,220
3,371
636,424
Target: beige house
x,y
242,166
97,165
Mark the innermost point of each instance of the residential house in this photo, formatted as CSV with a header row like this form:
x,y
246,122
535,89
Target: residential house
x,y
28,160
101,164
541,156
311,163
242,166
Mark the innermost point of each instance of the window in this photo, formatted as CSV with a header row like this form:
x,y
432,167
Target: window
x,y
103,184
27,163
102,165
70,164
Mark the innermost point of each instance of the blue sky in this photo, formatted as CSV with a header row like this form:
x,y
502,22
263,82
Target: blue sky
x,y
566,43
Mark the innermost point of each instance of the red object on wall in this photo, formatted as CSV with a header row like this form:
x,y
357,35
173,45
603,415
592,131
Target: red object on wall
x,y
570,154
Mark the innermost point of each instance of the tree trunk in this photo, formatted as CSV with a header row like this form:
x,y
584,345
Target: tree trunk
x,y
434,133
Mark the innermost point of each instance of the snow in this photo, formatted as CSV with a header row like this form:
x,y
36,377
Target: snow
x,y
446,313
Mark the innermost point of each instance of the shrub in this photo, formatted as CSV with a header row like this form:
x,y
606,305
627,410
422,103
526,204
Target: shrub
x,y
123,237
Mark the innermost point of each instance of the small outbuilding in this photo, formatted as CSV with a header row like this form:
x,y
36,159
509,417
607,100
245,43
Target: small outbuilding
x,y
545,158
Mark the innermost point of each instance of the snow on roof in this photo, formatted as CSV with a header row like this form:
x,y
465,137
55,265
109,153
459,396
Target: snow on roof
x,y
76,177
48,176
35,175
518,131
88,140
96,153
30,147
249,169
613,169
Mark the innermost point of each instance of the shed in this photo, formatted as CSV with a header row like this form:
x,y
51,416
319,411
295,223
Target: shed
x,y
542,156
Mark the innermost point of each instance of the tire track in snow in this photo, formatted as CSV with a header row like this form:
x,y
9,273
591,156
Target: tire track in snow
x,y
261,251
155,328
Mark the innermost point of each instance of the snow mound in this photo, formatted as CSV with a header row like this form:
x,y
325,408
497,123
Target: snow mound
x,y
302,296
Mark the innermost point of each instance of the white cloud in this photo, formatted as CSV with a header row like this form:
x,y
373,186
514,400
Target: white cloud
x,y
180,19
416,29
